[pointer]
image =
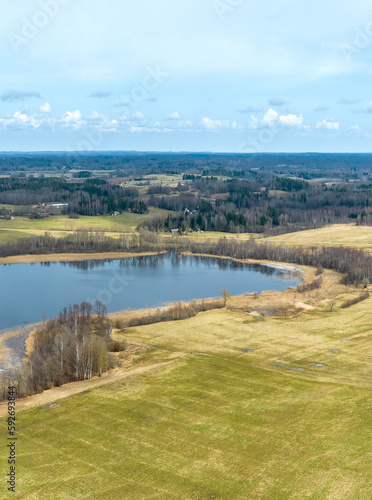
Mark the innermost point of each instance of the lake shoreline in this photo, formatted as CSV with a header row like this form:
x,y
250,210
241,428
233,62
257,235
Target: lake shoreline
x,y
307,275
81,257
73,257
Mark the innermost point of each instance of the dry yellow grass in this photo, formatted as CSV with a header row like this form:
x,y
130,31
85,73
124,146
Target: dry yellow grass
x,y
340,342
215,235
335,235
71,257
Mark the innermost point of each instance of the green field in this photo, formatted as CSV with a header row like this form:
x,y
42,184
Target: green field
x,y
7,236
220,423
125,223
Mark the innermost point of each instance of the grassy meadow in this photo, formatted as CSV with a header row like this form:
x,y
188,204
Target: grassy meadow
x,y
126,222
7,236
337,234
334,235
23,227
277,408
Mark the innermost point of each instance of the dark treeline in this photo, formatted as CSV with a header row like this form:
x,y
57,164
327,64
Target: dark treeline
x,y
305,165
260,204
355,264
92,197
79,242
69,348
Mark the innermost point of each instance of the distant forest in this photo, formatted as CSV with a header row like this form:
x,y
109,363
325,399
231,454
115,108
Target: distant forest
x,y
92,197
258,193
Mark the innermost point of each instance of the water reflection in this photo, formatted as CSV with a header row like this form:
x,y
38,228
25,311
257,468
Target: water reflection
x,y
29,291
177,260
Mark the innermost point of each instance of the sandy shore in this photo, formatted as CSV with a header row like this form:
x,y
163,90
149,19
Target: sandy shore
x,y
13,345
72,257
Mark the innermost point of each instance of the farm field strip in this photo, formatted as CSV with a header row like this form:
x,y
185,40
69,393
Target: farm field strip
x,y
204,428
218,422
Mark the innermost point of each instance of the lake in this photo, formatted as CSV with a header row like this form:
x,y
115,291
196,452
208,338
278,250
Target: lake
x,y
28,292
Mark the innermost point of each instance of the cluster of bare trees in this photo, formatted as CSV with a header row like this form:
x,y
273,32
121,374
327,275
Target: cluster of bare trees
x,y
79,242
69,348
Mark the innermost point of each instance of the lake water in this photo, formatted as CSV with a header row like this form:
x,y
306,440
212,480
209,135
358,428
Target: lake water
x,y
30,291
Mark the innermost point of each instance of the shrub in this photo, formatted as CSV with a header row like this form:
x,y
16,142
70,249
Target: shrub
x,y
355,300
308,287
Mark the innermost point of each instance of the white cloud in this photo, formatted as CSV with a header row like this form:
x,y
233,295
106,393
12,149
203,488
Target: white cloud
x,y
21,117
20,121
214,125
45,108
72,119
328,124
134,129
291,120
173,116
270,118
137,115
157,128
209,124
71,116
187,124
273,119
94,116
356,130
108,126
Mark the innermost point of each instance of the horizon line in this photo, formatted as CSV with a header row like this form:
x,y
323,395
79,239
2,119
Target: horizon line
x,y
133,151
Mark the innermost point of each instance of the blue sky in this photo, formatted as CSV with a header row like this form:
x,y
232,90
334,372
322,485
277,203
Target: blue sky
x,y
186,75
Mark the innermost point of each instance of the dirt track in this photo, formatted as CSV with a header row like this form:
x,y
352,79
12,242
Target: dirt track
x,y
73,388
